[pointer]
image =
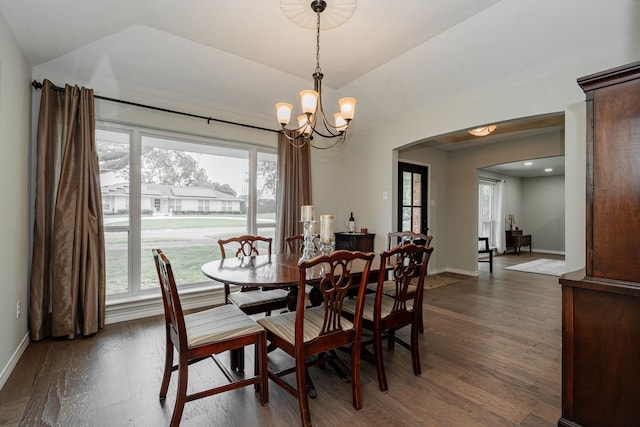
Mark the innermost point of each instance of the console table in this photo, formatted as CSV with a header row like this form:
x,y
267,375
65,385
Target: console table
x,y
355,241
516,240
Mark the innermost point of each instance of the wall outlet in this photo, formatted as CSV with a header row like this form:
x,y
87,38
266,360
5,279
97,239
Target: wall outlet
x,y
18,310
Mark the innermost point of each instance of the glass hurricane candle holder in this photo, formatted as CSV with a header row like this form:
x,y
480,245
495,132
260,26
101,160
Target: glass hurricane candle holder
x,y
327,247
308,248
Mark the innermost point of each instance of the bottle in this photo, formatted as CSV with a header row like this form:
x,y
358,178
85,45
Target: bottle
x,y
351,223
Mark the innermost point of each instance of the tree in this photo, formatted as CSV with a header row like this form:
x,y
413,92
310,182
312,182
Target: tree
x,y
172,167
159,166
267,176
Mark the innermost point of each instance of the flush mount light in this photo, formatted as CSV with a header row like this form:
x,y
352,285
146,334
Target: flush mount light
x,y
528,163
548,170
483,131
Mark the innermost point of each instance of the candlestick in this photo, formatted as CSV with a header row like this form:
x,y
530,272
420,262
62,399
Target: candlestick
x,y
308,248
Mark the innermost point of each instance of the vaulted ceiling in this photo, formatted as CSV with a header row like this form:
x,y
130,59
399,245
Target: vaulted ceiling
x,y
243,56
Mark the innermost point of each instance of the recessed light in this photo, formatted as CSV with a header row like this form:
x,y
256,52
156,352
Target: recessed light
x,y
548,170
483,131
528,163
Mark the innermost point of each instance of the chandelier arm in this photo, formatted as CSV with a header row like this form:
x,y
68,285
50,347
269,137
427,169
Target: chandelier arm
x,y
339,140
292,140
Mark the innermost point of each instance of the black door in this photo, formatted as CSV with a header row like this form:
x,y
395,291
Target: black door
x,y
412,197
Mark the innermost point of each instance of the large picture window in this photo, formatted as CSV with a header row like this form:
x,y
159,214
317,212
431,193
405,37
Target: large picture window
x,y
181,194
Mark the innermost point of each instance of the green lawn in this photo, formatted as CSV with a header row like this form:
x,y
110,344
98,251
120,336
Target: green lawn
x,y
186,256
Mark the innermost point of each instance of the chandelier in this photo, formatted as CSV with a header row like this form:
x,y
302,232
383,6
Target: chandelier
x,y
313,120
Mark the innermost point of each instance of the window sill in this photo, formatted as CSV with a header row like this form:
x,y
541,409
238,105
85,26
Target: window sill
x,y
123,309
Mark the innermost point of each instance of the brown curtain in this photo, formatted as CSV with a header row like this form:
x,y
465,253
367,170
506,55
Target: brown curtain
x,y
294,187
67,287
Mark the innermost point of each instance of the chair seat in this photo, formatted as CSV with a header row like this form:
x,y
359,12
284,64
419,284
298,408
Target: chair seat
x,y
217,324
254,298
283,325
385,308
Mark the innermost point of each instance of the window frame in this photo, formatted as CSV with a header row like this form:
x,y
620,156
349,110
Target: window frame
x,y
134,228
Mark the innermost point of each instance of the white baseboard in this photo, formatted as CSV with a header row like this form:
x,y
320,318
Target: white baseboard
x,y
548,251
6,372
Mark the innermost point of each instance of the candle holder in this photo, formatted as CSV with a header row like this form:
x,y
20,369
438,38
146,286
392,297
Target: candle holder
x,y
308,248
327,247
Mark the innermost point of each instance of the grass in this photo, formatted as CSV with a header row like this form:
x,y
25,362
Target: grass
x,y
186,255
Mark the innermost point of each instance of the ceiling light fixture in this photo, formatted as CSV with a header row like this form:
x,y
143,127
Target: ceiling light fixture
x,y
313,120
483,131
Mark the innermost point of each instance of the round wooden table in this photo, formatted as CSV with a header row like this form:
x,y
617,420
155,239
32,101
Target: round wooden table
x,y
269,271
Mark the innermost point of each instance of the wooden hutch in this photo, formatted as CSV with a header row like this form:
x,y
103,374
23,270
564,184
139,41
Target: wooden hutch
x,y
601,304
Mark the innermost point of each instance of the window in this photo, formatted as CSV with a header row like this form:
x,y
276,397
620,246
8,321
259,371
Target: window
x,y
489,211
185,193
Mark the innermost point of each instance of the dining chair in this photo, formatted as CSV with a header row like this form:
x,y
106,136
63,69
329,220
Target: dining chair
x,y
295,243
313,331
251,299
399,238
200,335
384,314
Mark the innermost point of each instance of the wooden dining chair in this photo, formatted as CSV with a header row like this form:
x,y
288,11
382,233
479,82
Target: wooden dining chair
x,y
399,238
295,243
384,314
313,331
204,334
251,299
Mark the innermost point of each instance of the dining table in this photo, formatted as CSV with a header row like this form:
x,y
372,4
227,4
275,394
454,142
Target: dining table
x,y
280,270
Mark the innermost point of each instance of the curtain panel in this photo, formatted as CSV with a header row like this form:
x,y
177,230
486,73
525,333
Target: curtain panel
x,y
67,283
294,188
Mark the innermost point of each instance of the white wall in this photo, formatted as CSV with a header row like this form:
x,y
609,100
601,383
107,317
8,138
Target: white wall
x,y
543,212
14,192
551,88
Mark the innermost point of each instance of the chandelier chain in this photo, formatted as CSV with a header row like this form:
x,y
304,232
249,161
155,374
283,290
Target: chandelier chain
x,y
318,70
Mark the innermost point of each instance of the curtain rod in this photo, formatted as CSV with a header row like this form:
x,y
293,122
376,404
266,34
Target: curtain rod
x,y
484,178
38,85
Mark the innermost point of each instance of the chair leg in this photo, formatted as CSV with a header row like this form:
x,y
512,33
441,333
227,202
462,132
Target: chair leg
x,y
391,339
261,367
237,359
168,365
491,262
181,392
301,384
377,354
415,351
356,389
421,323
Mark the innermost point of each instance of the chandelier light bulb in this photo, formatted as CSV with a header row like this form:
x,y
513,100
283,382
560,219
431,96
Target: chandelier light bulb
x,y
347,108
305,126
309,101
283,111
340,122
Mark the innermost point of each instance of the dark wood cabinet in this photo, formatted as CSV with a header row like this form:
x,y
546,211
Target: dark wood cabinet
x,y
355,241
601,304
515,240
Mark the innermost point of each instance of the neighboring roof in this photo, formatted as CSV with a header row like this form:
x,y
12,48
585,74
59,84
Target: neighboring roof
x,y
170,191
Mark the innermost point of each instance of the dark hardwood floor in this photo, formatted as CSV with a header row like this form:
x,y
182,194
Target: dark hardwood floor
x,y
491,356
